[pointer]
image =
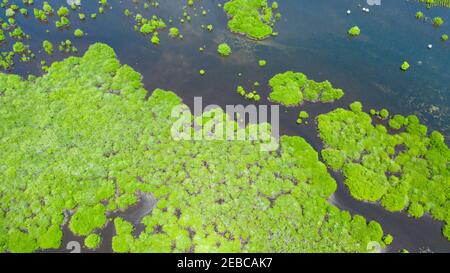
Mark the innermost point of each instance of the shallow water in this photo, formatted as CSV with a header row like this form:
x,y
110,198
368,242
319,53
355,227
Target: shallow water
x,y
312,39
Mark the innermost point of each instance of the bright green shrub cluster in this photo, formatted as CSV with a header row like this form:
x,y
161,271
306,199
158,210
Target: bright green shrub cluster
x,y
407,169
291,88
147,26
48,47
354,31
87,219
224,49
253,18
93,241
252,95
174,32
78,33
405,66
438,21
433,3
82,141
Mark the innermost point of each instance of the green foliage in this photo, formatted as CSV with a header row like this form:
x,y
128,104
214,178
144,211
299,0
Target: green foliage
x,y
404,66
253,18
63,22
174,32
93,241
87,219
354,31
444,37
51,238
88,145
48,47
446,231
20,242
436,3
155,38
291,89
2,36
224,49
253,95
388,239
415,210
63,11
419,15
407,169
397,122
123,240
438,21
262,63
19,47
78,33
384,113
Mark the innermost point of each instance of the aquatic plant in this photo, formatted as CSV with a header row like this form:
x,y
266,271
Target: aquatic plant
x,y
224,49
253,95
93,241
63,22
301,116
354,31
433,3
7,60
438,21
47,8
262,63
87,219
63,11
384,113
420,15
174,32
444,37
2,36
404,66
407,169
87,143
19,47
251,18
155,38
78,33
48,47
388,239
291,89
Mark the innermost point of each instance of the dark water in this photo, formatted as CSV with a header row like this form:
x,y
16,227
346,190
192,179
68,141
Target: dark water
x,y
312,39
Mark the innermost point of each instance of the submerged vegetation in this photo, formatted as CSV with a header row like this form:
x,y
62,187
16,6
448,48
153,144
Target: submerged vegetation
x,y
407,169
291,89
76,148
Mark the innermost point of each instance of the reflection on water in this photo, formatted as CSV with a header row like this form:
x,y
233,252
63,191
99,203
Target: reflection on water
x,y
312,39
